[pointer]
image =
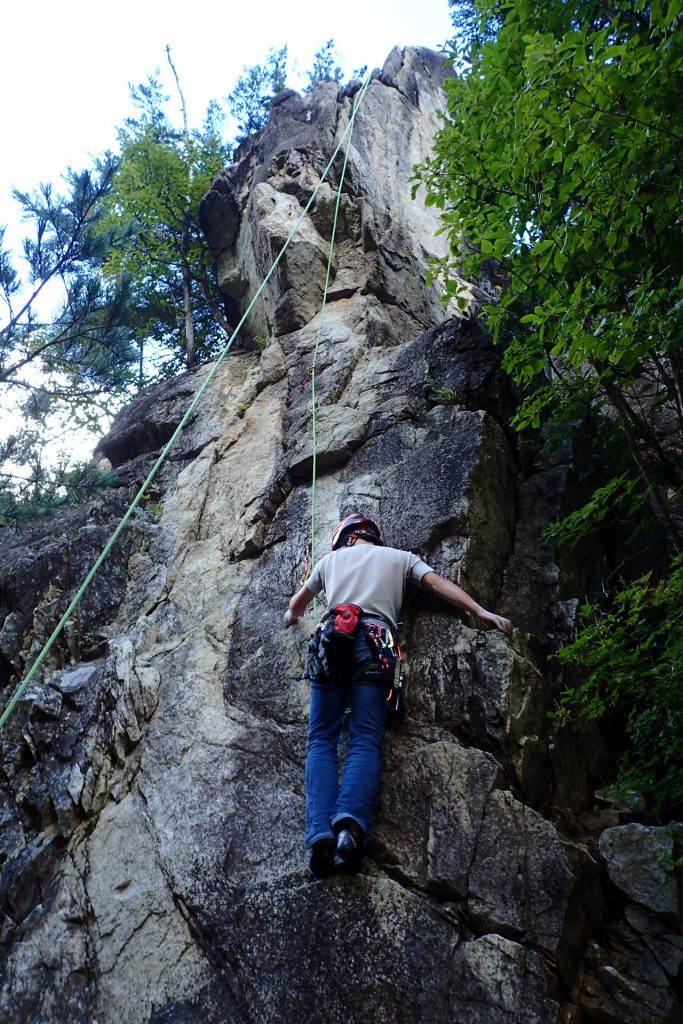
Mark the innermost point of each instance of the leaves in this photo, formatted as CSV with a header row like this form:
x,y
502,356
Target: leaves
x,y
87,337
559,163
249,102
632,657
325,68
162,175
559,159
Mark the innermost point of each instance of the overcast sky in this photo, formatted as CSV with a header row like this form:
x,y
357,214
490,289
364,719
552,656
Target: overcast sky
x,y
65,66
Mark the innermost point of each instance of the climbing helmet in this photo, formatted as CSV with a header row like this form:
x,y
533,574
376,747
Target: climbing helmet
x,y
356,526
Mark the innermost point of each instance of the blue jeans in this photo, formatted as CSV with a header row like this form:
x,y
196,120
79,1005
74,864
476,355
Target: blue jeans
x,y
326,801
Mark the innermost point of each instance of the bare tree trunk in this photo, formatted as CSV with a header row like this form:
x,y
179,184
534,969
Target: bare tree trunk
x,y
185,245
655,497
189,323
213,306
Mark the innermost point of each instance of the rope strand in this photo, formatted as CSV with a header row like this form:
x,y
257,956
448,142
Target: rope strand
x,y
314,441
183,422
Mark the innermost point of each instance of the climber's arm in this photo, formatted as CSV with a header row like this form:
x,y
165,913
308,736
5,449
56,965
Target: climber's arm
x,y
298,605
456,596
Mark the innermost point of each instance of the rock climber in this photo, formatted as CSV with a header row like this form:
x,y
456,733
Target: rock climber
x,y
351,664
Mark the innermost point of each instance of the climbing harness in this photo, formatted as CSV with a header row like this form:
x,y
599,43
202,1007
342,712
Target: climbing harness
x,y
389,662
333,652
75,601
333,644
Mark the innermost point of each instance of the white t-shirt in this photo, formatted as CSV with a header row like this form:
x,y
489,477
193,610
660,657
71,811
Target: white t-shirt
x,y
367,575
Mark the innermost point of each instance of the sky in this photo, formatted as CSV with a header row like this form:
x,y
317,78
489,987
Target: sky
x,y
65,66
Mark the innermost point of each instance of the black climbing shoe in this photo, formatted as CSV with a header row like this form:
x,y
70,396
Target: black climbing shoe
x,y
349,852
322,858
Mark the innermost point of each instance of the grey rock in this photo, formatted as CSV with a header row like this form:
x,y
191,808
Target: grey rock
x,y
431,813
73,680
522,880
623,981
382,935
48,701
636,858
664,941
151,823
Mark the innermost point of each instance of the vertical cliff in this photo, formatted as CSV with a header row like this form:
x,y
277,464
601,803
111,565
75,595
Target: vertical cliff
x,y
151,825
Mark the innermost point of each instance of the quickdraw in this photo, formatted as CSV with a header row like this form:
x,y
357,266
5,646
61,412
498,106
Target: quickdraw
x,y
307,564
389,661
395,695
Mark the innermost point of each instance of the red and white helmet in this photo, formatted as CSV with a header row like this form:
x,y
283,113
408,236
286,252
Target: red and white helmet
x,y
356,526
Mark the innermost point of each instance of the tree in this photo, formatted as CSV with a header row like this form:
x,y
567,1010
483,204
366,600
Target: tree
x,y
67,363
560,160
162,174
473,24
558,174
632,657
83,348
324,67
258,85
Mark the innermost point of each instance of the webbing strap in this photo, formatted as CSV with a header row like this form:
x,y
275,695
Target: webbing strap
x,y
183,422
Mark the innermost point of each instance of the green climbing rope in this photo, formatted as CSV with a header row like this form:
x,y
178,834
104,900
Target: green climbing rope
x,y
183,422
314,439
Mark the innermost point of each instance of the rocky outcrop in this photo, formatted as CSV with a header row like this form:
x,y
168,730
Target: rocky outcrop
x,y
151,825
383,240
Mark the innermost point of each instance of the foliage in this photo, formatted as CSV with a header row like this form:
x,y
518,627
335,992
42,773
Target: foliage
x,y
48,490
258,85
558,173
472,24
76,363
442,394
162,175
559,160
632,655
325,68
621,492
123,253
84,348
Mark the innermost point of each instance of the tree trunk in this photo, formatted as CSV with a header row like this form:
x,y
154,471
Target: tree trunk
x,y
185,244
656,498
189,323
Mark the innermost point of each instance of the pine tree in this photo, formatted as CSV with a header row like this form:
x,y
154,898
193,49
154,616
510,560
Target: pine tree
x,y
249,102
325,68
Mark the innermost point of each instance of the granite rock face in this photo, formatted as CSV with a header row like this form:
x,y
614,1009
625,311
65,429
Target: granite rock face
x,y
152,864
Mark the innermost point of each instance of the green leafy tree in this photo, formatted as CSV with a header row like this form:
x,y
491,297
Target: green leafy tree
x,y
558,174
163,173
473,23
325,67
258,85
559,160
631,656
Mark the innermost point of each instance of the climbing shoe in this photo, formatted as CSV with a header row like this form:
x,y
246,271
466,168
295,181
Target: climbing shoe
x,y
321,863
349,851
